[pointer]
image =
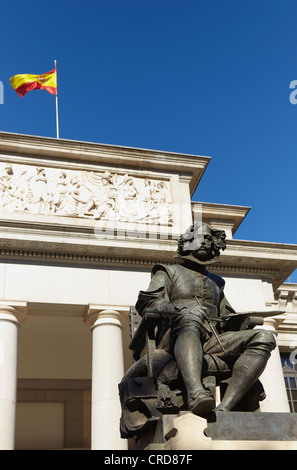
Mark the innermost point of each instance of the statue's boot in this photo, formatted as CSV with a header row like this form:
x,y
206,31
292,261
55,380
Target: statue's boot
x,y
201,402
246,370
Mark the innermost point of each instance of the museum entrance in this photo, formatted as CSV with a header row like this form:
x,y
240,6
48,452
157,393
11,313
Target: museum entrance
x,y
53,414
54,381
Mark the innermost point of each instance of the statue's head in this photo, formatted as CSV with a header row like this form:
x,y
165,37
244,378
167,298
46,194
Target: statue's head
x,y
202,241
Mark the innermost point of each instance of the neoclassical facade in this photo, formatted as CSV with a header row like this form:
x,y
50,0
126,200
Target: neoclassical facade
x,y
82,224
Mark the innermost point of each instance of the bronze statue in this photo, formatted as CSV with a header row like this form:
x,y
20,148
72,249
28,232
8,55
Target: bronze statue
x,y
199,336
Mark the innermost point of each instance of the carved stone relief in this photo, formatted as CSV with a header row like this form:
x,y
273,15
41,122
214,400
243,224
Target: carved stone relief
x,y
87,194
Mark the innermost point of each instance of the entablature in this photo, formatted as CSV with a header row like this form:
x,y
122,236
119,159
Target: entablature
x,y
71,202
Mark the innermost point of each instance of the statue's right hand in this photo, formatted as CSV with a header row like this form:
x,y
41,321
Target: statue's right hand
x,y
200,315
200,311
167,307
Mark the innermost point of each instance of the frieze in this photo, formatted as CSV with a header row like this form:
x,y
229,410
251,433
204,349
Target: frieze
x,y
84,194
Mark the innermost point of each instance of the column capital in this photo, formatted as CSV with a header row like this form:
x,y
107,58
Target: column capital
x,y
13,310
272,323
111,313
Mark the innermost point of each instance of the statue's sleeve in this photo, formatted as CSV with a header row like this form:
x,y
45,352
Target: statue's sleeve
x,y
158,290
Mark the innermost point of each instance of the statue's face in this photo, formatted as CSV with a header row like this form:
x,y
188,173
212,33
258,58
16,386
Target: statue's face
x,y
203,244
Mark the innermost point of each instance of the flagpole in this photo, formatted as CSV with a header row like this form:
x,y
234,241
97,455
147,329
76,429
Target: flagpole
x,y
57,115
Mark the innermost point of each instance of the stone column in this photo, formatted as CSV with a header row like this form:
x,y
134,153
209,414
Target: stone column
x,y
11,315
107,372
273,378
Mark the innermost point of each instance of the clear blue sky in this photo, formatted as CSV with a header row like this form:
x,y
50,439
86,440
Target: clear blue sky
x,y
200,77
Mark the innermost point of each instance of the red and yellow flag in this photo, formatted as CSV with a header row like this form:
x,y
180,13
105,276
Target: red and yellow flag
x,y
26,82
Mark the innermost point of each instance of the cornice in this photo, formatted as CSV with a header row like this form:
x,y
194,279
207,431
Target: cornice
x,y
103,154
245,268
263,252
222,210
57,257
263,256
263,245
62,248
217,213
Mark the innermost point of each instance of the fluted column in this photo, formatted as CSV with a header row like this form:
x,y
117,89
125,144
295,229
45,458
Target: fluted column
x,y
11,316
273,378
107,372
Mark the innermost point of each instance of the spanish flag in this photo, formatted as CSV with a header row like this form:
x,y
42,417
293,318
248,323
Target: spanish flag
x,y
24,83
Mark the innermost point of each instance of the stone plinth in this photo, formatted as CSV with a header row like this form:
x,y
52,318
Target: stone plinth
x,y
226,431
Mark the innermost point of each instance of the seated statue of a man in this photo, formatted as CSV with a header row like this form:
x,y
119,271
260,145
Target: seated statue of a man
x,y
201,321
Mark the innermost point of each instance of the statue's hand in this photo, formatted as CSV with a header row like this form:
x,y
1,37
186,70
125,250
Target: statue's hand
x,y
251,322
167,307
200,314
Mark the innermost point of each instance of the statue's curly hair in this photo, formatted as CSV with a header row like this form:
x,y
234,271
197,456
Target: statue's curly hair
x,y
185,240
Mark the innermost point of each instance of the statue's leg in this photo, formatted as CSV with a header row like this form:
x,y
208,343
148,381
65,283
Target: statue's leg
x,y
247,368
188,353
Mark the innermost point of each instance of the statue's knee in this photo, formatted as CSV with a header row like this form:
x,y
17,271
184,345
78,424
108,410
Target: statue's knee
x,y
263,342
266,337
